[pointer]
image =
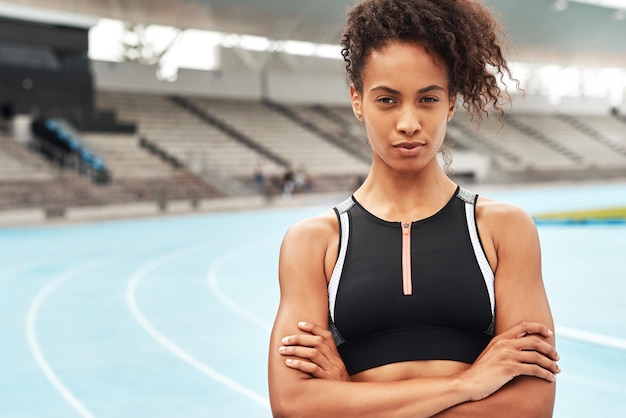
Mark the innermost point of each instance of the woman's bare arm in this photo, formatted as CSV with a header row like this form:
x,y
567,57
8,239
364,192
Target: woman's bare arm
x,y
520,296
304,297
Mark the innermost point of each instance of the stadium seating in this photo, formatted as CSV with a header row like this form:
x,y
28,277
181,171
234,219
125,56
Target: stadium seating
x,y
199,146
16,163
549,145
282,135
175,154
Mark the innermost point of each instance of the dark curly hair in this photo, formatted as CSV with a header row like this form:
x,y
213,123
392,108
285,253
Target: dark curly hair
x,y
462,32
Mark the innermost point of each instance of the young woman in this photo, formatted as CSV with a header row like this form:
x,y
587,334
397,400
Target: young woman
x,y
414,297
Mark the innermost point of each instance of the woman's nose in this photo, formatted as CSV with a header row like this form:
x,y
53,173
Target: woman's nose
x,y
409,122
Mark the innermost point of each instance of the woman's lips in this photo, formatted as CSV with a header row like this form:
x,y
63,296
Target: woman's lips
x,y
409,149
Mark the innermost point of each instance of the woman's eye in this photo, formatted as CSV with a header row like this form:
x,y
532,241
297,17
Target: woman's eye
x,y
430,99
386,100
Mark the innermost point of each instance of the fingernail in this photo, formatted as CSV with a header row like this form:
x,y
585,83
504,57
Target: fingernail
x,y
301,324
282,349
288,362
285,340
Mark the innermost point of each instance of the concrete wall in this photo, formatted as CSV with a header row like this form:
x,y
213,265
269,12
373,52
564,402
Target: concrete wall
x,y
570,105
143,79
285,79
289,79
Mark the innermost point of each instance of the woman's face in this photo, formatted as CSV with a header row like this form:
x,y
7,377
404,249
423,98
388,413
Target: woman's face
x,y
405,105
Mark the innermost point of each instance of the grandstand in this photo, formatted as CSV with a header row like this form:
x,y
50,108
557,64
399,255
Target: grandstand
x,y
549,146
206,134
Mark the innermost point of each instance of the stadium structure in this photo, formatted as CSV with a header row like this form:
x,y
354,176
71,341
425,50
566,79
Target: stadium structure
x,y
80,133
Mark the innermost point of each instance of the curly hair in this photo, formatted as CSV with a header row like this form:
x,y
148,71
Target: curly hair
x,y
462,32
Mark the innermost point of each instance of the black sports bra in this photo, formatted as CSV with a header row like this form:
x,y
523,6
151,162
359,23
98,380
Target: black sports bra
x,y
418,290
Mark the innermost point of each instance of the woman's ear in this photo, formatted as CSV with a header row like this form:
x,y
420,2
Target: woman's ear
x,y
451,108
355,97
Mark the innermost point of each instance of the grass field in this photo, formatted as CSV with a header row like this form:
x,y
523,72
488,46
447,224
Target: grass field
x,y
599,215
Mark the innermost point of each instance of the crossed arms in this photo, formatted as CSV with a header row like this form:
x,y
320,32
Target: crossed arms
x,y
515,374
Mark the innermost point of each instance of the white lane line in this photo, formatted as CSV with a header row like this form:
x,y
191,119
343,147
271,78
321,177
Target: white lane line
x,y
33,342
591,338
169,345
570,333
227,301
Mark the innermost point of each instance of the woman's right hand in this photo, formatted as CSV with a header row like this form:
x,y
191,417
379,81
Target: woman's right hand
x,y
524,349
314,352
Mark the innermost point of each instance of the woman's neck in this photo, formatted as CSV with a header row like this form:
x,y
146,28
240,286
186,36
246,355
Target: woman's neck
x,y
397,196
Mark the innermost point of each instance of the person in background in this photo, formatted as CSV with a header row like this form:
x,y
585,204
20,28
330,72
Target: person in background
x,y
289,183
259,176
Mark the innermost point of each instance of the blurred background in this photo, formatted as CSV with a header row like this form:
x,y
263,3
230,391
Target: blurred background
x,y
137,134
176,103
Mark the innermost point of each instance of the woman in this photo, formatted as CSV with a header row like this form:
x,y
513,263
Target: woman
x,y
414,298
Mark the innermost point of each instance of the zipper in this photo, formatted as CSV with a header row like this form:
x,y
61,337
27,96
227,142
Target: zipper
x,y
407,282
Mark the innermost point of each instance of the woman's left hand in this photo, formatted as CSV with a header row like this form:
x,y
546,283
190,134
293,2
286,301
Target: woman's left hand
x,y
314,352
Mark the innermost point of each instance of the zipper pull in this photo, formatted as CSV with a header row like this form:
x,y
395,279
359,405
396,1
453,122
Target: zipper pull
x,y
407,281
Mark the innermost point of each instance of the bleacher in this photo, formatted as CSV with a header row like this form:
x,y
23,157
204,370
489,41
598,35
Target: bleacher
x,y
283,136
524,146
219,157
593,153
206,134
200,147
333,122
548,146
530,152
28,180
613,129
17,164
23,175
141,175
126,159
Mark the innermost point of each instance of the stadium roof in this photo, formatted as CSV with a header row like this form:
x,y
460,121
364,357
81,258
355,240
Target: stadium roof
x,y
576,32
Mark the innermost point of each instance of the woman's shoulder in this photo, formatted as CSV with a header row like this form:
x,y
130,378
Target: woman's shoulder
x,y
502,220
314,228
497,211
311,245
